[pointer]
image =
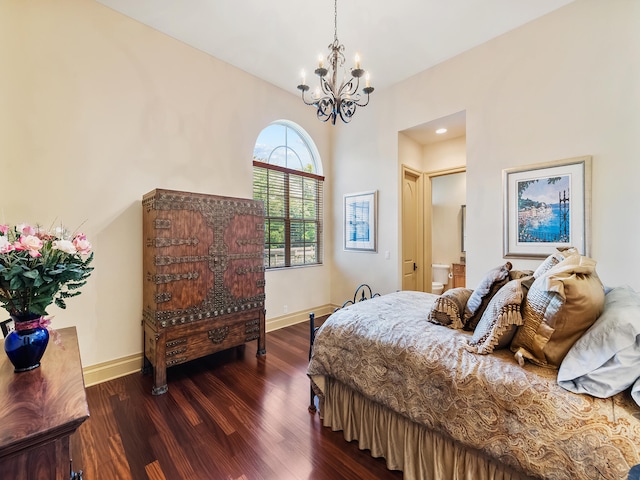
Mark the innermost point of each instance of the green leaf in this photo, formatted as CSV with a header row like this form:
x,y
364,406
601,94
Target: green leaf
x,y
15,283
69,294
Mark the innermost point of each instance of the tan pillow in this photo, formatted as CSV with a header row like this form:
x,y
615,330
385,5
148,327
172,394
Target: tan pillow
x,y
559,307
493,281
516,274
448,309
500,320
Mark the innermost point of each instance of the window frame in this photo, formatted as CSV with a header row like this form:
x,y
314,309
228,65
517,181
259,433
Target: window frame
x,y
286,193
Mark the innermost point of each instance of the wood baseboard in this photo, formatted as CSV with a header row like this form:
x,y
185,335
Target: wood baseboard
x,y
117,368
297,317
102,372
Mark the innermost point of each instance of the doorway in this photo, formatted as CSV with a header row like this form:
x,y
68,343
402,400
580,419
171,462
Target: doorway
x,y
448,210
417,227
448,196
425,157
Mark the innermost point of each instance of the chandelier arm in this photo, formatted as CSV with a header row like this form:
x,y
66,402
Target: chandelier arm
x,y
324,117
362,104
349,87
326,108
347,110
326,87
304,99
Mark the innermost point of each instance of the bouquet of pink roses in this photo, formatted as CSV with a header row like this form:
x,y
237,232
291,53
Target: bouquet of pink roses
x,y
38,268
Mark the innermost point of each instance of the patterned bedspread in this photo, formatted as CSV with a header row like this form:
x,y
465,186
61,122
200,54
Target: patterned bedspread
x,y
387,350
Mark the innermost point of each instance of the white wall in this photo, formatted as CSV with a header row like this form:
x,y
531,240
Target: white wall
x,y
410,152
565,85
96,110
445,155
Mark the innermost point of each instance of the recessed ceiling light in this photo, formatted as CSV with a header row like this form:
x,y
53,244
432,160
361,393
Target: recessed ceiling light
x,y
440,131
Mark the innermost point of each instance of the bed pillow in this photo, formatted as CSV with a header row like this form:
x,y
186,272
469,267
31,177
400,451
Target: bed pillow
x,y
516,274
500,320
606,359
493,281
559,307
448,309
555,258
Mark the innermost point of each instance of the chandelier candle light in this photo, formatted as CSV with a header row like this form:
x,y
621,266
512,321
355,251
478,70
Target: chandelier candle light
x,y
330,98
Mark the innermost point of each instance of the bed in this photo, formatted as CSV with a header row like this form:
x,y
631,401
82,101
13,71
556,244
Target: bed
x,y
414,392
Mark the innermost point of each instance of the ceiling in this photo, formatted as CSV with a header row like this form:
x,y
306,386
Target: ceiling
x,y
275,40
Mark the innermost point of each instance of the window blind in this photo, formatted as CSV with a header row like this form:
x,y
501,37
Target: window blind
x,y
293,203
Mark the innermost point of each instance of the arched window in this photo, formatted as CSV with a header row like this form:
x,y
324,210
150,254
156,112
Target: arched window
x,y
287,177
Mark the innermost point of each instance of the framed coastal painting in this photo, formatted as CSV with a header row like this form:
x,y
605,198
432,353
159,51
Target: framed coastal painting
x,y
360,221
547,206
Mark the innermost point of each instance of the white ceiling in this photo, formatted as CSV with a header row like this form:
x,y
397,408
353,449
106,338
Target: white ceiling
x,y
425,134
275,40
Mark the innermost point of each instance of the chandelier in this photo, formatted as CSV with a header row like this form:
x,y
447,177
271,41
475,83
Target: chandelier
x,y
333,99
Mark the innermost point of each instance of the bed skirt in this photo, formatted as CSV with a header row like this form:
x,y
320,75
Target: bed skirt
x,y
412,448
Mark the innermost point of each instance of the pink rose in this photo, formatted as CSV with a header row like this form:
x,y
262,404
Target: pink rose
x,y
5,245
82,244
4,229
30,243
25,229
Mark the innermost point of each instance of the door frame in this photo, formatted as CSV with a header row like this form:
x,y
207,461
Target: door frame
x,y
419,176
428,214
423,229
425,245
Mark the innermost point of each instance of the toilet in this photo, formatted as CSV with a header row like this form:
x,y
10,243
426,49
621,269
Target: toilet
x,y
440,275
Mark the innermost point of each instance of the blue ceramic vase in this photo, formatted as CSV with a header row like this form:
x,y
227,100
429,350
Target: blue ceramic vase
x,y
27,343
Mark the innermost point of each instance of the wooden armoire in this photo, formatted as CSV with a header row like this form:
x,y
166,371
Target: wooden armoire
x,y
203,277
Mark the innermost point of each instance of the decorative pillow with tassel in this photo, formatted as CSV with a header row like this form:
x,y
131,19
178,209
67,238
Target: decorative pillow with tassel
x,y
500,320
448,309
493,281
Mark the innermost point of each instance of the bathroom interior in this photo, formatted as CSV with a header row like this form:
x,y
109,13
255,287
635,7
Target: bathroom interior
x,y
448,201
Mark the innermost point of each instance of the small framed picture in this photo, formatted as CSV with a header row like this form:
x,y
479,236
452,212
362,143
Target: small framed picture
x,y
360,221
7,327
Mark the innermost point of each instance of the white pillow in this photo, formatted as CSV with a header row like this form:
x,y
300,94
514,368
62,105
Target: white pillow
x,y
606,359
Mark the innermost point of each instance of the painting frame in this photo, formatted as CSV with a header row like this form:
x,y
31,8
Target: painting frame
x,y
572,212
360,221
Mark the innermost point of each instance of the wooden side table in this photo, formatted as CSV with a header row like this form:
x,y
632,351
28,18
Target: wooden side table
x,y
39,410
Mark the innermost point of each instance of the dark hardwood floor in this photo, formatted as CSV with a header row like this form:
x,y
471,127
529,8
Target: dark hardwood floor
x,y
227,416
